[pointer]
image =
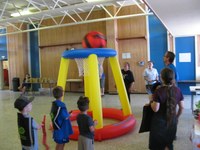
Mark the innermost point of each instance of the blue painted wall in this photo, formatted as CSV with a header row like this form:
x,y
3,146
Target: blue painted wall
x,y
158,47
34,57
158,42
186,70
3,45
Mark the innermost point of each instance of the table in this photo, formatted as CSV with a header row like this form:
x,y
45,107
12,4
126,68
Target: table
x,y
188,81
184,84
73,81
193,90
51,84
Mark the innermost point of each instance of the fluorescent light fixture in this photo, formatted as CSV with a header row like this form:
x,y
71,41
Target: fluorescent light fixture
x,y
93,0
126,3
22,13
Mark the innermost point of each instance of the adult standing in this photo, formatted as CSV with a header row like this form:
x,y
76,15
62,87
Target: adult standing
x,y
102,79
164,121
128,79
150,76
168,60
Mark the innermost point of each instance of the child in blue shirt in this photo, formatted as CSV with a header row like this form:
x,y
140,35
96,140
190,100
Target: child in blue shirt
x,y
60,119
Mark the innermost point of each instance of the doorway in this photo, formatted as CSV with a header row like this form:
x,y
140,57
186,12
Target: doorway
x,y
4,74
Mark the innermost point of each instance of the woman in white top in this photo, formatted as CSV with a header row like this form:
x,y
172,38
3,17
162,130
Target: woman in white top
x,y
150,76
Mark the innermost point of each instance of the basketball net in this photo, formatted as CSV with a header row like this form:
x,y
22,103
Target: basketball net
x,y
83,69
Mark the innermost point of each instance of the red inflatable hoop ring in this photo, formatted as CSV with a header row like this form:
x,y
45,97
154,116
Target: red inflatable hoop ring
x,y
126,124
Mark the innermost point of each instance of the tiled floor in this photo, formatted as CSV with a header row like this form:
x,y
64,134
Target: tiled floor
x,y
9,139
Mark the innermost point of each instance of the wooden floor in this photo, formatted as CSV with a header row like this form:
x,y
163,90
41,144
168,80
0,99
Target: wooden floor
x,y
9,139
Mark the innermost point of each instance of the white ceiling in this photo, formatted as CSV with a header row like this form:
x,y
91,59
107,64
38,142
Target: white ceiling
x,y
180,17
43,9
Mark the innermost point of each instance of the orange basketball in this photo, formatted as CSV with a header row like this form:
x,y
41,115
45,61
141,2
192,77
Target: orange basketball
x,y
94,39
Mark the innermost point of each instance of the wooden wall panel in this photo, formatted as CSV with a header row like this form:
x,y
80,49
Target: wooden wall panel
x,y
131,27
50,62
50,59
111,33
138,50
69,34
17,45
131,39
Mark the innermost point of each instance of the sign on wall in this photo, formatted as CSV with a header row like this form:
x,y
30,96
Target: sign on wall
x,y
184,57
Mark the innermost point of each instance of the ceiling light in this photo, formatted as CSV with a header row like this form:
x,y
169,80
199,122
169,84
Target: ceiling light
x,y
93,0
22,13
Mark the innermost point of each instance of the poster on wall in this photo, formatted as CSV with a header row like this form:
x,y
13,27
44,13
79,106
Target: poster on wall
x,y
126,55
184,57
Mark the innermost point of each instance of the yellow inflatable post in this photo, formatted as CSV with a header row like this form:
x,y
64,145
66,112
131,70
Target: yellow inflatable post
x,y
62,75
86,77
120,85
94,90
86,80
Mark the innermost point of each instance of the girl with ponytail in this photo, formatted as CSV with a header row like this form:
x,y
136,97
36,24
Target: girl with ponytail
x,y
165,101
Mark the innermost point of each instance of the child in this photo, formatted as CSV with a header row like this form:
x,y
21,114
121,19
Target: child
x,y
85,125
27,127
60,119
